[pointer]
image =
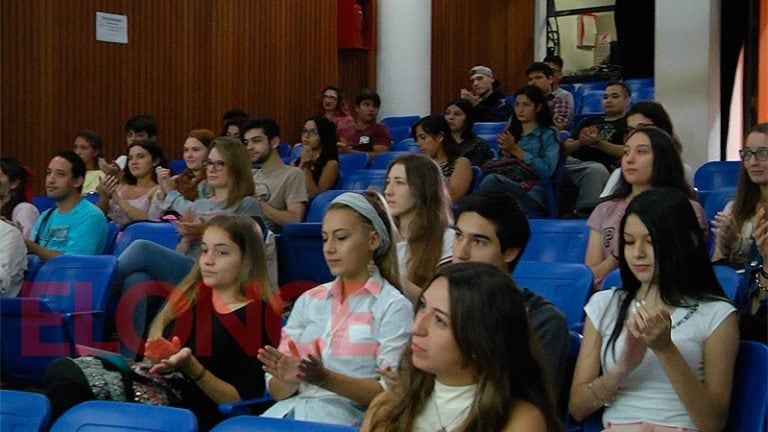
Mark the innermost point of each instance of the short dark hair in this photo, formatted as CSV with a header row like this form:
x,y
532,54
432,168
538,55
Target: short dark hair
x,y
142,123
368,95
269,126
554,58
506,214
154,150
540,67
627,90
78,166
234,113
93,138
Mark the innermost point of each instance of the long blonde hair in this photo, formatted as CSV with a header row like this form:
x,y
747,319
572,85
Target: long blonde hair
x,y
237,160
253,279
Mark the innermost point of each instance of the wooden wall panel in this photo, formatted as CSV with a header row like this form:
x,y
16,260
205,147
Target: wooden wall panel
x,y
498,33
187,61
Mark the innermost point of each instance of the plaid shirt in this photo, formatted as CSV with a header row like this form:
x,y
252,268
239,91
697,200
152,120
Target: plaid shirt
x,y
561,104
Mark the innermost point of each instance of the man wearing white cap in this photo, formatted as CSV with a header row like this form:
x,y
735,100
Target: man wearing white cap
x,y
490,104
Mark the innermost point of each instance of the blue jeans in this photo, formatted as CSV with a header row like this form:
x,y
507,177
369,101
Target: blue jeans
x,y
147,271
531,199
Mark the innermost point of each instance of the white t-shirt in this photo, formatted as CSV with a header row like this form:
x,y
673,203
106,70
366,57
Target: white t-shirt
x,y
404,253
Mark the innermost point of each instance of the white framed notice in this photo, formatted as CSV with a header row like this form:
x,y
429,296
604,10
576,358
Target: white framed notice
x,y
111,28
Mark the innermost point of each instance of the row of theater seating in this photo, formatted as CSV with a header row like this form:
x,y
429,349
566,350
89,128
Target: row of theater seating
x,y
26,411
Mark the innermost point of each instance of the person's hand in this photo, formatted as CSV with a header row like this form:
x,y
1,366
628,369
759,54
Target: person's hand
x,y
13,223
634,349
654,328
178,361
164,179
281,366
107,186
724,230
388,373
311,370
508,144
468,95
158,349
761,232
343,145
588,135
307,156
109,168
559,123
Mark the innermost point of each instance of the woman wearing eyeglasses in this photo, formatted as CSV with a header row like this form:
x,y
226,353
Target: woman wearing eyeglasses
x,y
146,268
741,233
319,156
333,106
650,161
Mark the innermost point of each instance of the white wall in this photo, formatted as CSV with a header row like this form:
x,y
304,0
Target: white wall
x,y
403,73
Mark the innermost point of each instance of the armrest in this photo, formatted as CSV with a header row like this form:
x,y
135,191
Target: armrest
x,y
246,406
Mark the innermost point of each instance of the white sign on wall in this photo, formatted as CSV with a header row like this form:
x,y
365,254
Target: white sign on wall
x,y
111,28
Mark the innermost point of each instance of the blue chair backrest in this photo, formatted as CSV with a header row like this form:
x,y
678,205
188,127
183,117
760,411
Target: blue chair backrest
x,y
268,424
557,240
43,203
716,201
477,178
400,121
634,83
749,395
126,417
729,279
612,280
590,86
382,160
320,203
284,149
112,231
642,94
33,265
717,175
23,411
351,162
93,197
399,133
296,150
592,103
177,166
300,254
489,128
570,88
406,145
162,233
363,179
566,285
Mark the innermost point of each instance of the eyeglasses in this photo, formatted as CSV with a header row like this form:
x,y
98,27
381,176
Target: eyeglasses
x,y
330,97
310,131
217,165
760,154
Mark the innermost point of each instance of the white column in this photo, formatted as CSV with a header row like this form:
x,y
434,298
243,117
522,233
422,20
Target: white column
x,y
687,73
403,58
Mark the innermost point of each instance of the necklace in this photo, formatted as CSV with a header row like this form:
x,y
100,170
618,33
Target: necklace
x,y
445,427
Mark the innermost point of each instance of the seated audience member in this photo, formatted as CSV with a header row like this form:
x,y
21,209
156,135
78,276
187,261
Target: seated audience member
x,y
229,176
497,234
177,193
230,123
458,114
433,135
740,235
333,107
648,113
129,200
15,194
469,364
556,63
320,156
488,102
419,203
137,128
560,102
74,226
13,259
281,189
88,146
530,150
340,334
594,150
650,160
364,134
658,354
228,289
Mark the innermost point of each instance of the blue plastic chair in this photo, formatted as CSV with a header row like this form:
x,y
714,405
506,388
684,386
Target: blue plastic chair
x,y
717,175
162,233
177,166
268,424
588,87
33,265
729,280
23,411
351,162
406,145
93,197
65,304
570,88
399,133
489,128
749,396
125,417
112,231
363,179
566,285
642,94
42,203
284,149
550,192
400,121
300,254
716,201
320,203
557,240
592,103
635,83
382,160
477,178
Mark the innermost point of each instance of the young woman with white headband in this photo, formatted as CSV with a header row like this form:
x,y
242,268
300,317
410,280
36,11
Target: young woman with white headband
x,y
340,334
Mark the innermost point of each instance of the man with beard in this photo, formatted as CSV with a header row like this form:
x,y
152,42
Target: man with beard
x,y
281,189
489,103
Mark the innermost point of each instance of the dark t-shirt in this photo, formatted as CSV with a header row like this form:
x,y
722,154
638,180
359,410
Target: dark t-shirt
x,y
364,140
609,130
493,108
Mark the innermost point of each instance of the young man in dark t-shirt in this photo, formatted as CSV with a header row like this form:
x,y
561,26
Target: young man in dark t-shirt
x,y
364,134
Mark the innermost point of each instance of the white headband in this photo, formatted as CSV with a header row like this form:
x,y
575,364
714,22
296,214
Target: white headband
x,y
361,205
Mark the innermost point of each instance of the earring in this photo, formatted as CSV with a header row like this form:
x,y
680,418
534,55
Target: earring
x,y
372,267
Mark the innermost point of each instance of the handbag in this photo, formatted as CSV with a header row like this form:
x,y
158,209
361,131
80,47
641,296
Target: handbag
x,y
513,169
